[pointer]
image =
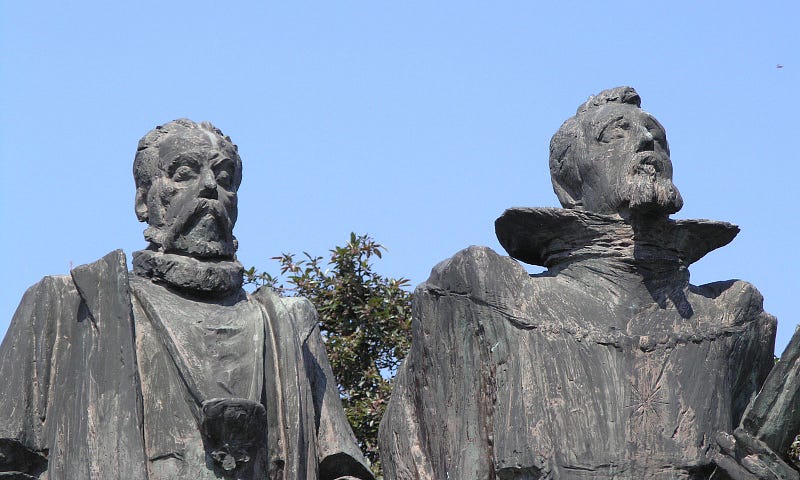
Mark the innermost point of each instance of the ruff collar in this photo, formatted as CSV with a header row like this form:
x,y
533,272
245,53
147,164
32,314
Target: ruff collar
x,y
202,278
557,237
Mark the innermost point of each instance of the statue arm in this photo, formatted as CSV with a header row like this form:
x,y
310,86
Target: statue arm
x,y
69,390
756,449
25,363
340,457
337,449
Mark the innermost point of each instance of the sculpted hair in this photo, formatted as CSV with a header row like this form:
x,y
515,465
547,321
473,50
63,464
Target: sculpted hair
x,y
146,163
564,146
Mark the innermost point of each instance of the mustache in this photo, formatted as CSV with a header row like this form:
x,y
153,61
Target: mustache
x,y
192,213
648,163
648,182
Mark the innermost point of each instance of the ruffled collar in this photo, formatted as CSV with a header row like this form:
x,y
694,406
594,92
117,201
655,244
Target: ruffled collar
x,y
557,237
200,278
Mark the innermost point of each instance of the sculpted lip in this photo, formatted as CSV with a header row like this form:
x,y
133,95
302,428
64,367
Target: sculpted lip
x,y
204,208
646,163
202,228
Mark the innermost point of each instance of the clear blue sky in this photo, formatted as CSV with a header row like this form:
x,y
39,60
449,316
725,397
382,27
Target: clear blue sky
x,y
415,122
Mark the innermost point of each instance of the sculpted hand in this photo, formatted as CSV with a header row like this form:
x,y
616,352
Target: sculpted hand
x,y
744,457
768,426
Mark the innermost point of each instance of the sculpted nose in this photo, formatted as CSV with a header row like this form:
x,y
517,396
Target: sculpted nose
x,y
208,184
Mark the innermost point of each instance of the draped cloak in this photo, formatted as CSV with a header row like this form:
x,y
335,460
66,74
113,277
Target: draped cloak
x,y
586,371
72,403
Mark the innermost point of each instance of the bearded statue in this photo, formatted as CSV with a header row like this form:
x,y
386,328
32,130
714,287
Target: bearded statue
x,y
608,365
171,371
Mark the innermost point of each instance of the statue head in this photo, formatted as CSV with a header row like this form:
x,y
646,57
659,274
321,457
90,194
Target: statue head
x,y
612,157
187,175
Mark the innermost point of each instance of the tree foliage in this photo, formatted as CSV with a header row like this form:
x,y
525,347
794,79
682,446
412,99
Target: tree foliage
x,y
365,319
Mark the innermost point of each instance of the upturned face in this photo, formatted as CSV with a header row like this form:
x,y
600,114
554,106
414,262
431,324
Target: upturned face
x,y
192,204
625,163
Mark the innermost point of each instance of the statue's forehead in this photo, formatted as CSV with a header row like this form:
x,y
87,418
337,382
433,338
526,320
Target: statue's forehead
x,y
598,117
185,140
192,143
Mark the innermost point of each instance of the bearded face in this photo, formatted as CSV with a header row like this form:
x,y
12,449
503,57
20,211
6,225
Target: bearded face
x,y
626,164
192,205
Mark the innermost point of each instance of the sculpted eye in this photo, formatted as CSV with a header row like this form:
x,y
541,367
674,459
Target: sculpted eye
x,y
658,134
224,179
614,131
182,173
224,172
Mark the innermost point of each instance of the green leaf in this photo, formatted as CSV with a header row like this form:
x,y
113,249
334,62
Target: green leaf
x,y
365,320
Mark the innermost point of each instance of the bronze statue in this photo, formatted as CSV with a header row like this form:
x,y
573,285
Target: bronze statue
x,y
610,364
174,371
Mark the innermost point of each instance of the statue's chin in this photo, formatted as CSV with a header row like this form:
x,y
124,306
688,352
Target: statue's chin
x,y
192,244
645,194
203,249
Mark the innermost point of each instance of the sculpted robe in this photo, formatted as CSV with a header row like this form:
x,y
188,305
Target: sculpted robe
x,y
99,375
609,365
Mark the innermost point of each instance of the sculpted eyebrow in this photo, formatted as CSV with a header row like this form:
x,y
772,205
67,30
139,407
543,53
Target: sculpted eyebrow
x,y
607,124
657,125
223,162
180,160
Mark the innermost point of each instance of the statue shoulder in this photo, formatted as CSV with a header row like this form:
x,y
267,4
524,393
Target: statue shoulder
x,y
59,289
473,268
59,285
737,297
47,295
298,311
103,282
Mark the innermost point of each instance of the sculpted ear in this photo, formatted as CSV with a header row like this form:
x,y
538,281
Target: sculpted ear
x,y
141,204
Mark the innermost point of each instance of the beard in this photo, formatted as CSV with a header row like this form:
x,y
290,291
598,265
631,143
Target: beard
x,y
647,186
202,229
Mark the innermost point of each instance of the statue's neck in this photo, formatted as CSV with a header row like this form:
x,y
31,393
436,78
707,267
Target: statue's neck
x,y
635,256
653,277
192,276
